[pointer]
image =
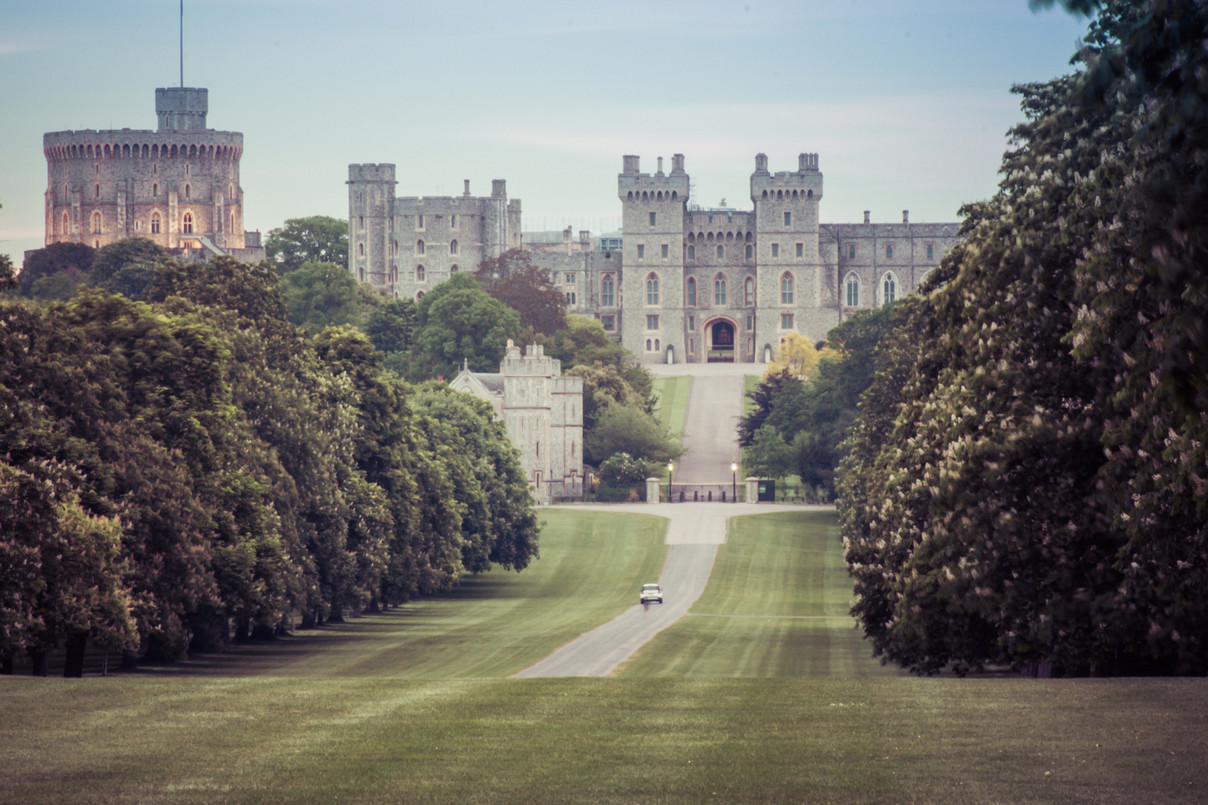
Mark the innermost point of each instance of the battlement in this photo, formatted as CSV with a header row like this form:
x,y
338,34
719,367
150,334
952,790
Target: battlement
x,y
633,185
804,183
181,108
371,172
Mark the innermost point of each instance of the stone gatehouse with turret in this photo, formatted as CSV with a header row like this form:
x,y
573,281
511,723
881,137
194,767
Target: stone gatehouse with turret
x,y
679,283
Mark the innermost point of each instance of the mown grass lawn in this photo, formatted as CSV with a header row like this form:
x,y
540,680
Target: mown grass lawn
x,y
671,402
371,717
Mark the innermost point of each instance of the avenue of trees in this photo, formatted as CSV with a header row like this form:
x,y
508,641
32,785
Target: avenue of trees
x,y
180,463
1026,483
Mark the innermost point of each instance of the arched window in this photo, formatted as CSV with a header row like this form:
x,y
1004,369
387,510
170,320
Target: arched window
x,y
155,190
750,251
749,288
889,251
420,274
786,289
851,252
691,252
187,224
652,289
361,249
231,229
719,290
930,251
852,290
721,252
155,223
889,289
96,191
188,191
96,223
454,268
452,247
691,291
66,224
395,249
607,294
419,247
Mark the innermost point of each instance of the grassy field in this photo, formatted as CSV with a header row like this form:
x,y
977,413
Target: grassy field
x,y
671,403
777,700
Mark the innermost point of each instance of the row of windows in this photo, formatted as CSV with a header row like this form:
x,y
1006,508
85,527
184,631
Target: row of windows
x,y
186,223
658,195
144,151
851,251
96,191
652,323
749,252
787,290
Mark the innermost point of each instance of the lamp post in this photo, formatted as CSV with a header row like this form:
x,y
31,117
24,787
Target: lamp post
x,y
670,469
734,480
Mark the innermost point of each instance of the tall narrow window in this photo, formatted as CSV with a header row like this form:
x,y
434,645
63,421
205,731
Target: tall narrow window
x,y
786,321
851,252
889,250
652,289
691,291
786,289
775,249
750,251
97,191
721,252
930,251
155,223
453,247
187,224
155,190
750,291
801,250
66,224
719,290
889,289
788,219
453,220
853,291
691,252
419,222
607,295
420,274
96,223
665,252
652,322
641,251
419,247
188,192
652,218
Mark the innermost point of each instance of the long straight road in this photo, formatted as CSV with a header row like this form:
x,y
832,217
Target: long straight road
x,y
694,530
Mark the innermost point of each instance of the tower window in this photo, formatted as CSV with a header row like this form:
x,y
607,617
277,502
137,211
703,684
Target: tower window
x,y
788,219
652,289
889,250
775,249
187,224
853,291
607,295
801,250
691,252
641,251
420,275
453,247
652,322
786,321
721,252
930,251
665,251
851,252
691,291
786,289
652,218
96,223
419,247
750,251
155,223
719,290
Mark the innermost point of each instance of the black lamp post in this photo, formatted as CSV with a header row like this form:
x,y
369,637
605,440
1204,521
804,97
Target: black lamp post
x,y
734,480
670,469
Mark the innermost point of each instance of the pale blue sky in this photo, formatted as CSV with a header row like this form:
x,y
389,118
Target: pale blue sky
x,y
907,102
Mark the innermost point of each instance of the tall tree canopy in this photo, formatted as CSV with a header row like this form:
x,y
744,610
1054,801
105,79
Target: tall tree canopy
x,y
514,280
317,239
459,321
1024,484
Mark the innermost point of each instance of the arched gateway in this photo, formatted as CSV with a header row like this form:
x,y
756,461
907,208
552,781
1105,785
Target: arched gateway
x,y
719,341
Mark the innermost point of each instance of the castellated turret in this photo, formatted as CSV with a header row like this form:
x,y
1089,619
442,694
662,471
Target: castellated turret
x,y
177,185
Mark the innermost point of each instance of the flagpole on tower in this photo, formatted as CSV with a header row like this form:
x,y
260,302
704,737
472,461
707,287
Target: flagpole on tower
x,y
182,43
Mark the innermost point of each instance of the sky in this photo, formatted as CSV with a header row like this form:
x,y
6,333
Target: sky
x,y
907,102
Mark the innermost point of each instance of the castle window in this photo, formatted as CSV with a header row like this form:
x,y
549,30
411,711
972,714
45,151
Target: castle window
x,y
155,190
889,289
719,290
66,224
420,274
786,289
454,269
453,247
97,192
641,251
96,168
418,295
570,297
852,287
361,249
721,252
692,322
648,344
187,224
394,249
419,222
568,278
750,292
851,252
788,219
453,220
188,192
750,323
691,291
930,251
155,223
609,322
750,251
775,249
801,250
230,191
96,223
606,291
691,252
665,252
652,322
652,217
889,250
786,321
652,289
361,221
419,247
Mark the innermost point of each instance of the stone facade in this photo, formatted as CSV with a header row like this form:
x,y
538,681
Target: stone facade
x,y
543,413
680,283
177,186
406,246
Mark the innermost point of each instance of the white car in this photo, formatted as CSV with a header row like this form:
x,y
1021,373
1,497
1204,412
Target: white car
x,y
650,592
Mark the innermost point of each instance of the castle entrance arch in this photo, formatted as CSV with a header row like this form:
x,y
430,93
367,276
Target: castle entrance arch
x,y
720,340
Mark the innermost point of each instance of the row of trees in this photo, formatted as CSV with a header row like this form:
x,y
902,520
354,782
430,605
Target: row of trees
x,y
180,461
1026,481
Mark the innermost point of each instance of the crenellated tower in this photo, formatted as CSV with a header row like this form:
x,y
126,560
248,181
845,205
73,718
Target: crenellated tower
x,y
372,250
653,207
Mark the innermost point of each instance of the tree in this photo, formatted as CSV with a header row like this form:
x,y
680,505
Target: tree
x,y
8,274
126,266
391,327
72,260
317,239
320,294
458,321
626,429
514,280
797,355
768,455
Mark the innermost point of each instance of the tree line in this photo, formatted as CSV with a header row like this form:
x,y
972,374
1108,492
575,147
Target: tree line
x,y
1025,482
181,465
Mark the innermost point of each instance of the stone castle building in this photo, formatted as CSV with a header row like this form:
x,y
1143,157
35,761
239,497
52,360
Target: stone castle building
x,y
177,185
679,283
543,413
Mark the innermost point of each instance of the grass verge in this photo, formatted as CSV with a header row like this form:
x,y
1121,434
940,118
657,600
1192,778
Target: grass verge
x,y
671,402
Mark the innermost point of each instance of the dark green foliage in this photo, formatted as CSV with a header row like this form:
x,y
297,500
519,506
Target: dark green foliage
x,y
63,266
1024,484
627,429
460,323
514,280
127,266
319,295
317,239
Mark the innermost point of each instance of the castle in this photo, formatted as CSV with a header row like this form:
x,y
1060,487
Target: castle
x,y
679,283
177,185
543,413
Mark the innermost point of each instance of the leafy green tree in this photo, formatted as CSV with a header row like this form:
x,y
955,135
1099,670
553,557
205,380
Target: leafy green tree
x,y
626,429
8,274
391,328
458,321
514,280
768,456
584,343
73,260
319,295
317,239
126,266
